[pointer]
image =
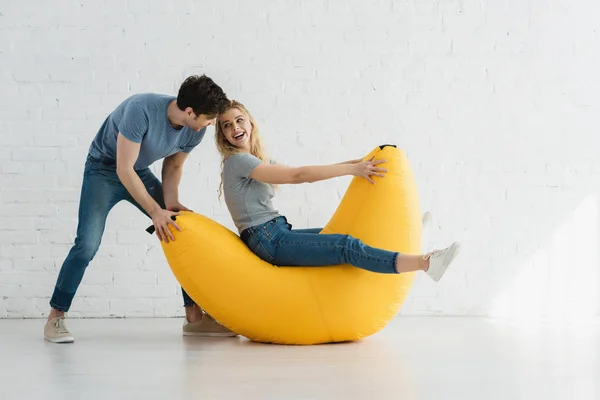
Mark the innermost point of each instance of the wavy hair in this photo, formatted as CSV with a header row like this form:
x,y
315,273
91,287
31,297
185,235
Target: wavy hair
x,y
226,149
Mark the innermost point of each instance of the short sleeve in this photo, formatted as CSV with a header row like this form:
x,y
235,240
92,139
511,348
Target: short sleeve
x,y
195,141
134,123
241,165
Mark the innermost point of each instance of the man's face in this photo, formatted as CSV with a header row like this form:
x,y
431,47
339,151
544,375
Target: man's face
x,y
198,122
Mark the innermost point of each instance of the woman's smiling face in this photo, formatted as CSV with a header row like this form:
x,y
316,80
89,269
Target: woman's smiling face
x,y
236,127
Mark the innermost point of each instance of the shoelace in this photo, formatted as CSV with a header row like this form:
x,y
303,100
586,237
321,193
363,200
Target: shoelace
x,y
59,326
434,254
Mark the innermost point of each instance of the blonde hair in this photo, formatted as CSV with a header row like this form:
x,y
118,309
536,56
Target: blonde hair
x,y
226,149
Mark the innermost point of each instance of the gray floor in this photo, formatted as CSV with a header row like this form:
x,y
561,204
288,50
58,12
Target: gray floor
x,y
413,358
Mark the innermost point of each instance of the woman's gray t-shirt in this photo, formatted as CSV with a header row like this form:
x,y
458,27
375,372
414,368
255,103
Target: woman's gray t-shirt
x,y
248,200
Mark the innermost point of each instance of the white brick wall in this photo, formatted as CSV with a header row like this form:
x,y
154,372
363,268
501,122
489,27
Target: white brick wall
x,y
495,103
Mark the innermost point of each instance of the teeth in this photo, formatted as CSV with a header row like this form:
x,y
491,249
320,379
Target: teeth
x,y
239,136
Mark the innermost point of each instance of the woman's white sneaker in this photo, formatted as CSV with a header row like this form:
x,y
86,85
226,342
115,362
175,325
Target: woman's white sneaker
x,y
55,331
439,260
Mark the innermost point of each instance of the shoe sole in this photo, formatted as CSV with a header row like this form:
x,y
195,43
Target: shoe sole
x,y
455,249
60,340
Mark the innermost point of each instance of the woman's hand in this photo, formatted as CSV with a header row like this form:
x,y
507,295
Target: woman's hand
x,y
369,168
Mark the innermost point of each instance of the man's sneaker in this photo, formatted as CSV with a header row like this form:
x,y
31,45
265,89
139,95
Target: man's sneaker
x,y
426,232
207,326
55,331
439,260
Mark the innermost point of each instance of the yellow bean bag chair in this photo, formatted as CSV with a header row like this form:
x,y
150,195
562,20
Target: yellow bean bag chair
x,y
306,305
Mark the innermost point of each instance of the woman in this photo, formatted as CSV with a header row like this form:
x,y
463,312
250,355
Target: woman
x,y
247,181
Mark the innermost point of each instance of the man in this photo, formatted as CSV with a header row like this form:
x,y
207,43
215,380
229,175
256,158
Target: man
x,y
141,130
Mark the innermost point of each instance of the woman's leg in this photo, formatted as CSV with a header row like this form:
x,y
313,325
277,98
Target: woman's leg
x,y
309,249
404,263
276,243
309,230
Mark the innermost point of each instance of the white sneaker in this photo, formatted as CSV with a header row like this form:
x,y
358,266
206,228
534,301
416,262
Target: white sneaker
x,y
439,260
426,232
55,331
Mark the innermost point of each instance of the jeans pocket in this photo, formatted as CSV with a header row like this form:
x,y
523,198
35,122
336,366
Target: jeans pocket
x,y
261,251
251,240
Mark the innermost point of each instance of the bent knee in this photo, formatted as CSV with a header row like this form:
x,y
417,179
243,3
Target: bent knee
x,y
351,241
86,249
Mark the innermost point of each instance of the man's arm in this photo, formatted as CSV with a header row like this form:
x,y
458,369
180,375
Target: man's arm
x,y
172,169
127,154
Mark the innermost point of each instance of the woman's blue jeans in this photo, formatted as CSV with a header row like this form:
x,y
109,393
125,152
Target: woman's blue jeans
x,y
277,243
100,192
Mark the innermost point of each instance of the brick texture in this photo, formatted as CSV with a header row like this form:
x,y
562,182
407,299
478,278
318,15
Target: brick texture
x,y
495,103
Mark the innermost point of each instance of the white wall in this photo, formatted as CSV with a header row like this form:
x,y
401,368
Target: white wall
x,y
495,103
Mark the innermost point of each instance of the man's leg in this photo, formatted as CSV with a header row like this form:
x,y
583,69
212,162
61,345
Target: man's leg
x,y
197,322
100,191
154,187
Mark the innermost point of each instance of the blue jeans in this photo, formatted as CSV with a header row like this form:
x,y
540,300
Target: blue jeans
x,y
277,243
100,192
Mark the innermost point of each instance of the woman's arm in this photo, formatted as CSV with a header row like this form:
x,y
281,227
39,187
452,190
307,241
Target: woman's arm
x,y
281,174
352,161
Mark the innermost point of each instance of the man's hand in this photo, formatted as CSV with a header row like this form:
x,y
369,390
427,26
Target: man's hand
x,y
176,206
161,219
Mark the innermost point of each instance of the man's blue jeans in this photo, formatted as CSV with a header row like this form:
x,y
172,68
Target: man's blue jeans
x,y
277,243
100,192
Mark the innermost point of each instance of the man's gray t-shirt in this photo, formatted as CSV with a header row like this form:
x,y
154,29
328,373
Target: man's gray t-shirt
x,y
248,200
142,118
